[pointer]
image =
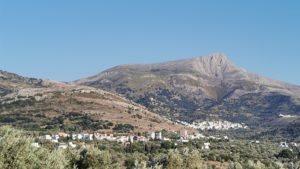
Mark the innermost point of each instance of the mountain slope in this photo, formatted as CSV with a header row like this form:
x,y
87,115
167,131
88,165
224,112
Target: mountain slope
x,y
10,82
207,87
43,104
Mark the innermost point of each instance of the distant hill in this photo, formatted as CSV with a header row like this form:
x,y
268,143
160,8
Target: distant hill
x,y
42,104
10,82
207,87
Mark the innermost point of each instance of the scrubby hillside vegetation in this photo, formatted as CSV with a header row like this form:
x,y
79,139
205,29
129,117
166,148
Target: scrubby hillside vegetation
x,y
49,105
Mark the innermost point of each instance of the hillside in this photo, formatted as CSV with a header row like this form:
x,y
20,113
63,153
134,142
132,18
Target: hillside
x,y
41,104
10,82
207,87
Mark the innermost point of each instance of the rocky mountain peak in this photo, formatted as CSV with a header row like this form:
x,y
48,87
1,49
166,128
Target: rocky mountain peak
x,y
217,58
215,64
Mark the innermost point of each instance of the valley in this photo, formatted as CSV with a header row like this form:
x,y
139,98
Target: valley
x,y
204,110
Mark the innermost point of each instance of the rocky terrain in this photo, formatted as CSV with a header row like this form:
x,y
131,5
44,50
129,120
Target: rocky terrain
x,y
209,87
42,104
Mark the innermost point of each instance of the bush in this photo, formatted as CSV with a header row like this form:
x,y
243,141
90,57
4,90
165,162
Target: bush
x,y
286,154
125,128
130,163
93,158
16,151
167,145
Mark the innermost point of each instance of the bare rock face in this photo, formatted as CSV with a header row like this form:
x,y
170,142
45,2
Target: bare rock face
x,y
214,65
206,87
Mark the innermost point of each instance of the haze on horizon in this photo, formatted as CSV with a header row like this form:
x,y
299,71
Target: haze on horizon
x,y
69,40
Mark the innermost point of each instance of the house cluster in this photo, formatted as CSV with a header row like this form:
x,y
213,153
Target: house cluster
x,y
83,135
64,145
184,138
255,141
120,139
54,138
216,125
97,136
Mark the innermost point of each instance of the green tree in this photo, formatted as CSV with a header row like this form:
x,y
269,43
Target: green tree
x,y
16,151
93,158
173,160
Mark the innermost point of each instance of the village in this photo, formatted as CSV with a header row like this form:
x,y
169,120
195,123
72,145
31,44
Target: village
x,y
183,135
213,125
123,139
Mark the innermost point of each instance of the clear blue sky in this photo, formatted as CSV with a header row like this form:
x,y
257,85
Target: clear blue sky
x,y
68,39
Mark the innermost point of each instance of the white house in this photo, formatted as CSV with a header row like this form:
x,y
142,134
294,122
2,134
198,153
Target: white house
x,y
46,137
89,137
152,135
122,139
205,146
79,136
35,145
76,136
182,141
99,136
72,145
85,135
62,146
197,136
54,141
283,145
158,136
131,138
165,139
110,137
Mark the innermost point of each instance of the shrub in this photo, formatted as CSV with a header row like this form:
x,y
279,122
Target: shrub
x,y
16,151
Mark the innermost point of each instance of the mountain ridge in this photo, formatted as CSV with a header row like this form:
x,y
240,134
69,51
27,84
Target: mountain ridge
x,y
204,83
216,65
205,63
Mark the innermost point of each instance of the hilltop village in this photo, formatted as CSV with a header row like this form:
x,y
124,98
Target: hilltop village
x,y
213,125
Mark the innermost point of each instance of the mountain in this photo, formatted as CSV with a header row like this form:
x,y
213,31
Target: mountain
x,y
42,104
207,87
10,82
